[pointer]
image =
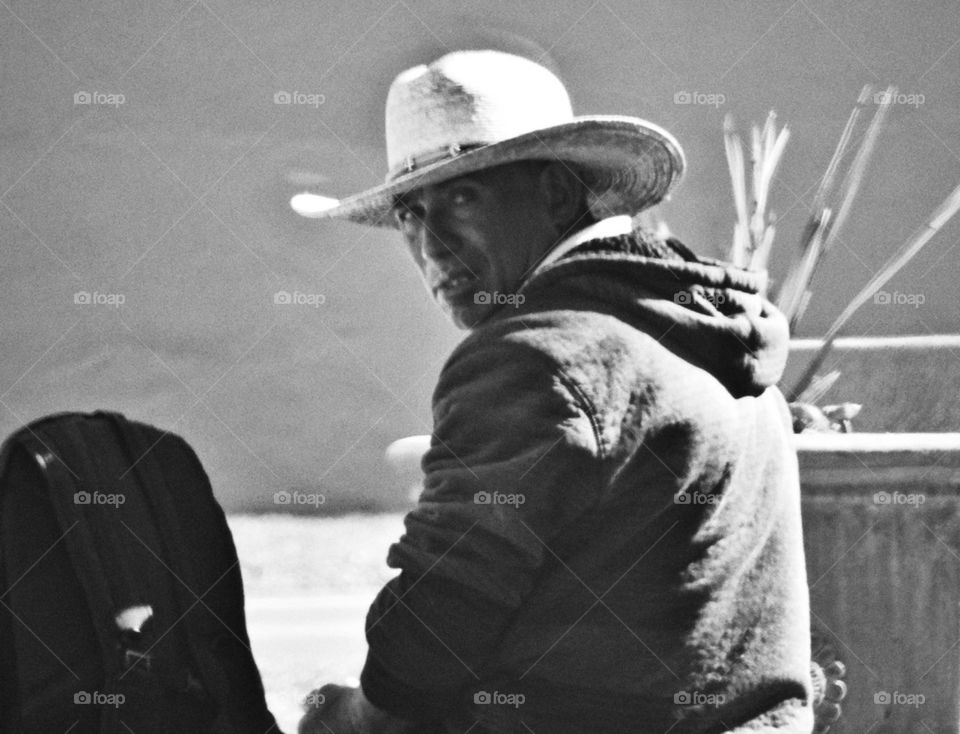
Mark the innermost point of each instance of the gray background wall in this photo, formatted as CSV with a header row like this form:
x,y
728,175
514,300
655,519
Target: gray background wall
x,y
176,198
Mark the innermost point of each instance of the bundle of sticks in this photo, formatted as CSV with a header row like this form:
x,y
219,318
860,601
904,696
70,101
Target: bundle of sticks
x,y
831,207
753,234
753,231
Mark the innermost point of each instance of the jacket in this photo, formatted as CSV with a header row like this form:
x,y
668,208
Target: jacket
x,y
609,534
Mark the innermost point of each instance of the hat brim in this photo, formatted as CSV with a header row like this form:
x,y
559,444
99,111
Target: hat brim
x,y
641,161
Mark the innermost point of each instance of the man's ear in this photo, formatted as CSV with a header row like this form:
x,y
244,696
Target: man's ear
x,y
564,195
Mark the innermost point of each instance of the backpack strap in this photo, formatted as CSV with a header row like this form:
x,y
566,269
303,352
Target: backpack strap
x,y
64,490
234,684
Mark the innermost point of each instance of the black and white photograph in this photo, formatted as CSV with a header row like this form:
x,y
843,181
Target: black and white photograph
x,y
419,367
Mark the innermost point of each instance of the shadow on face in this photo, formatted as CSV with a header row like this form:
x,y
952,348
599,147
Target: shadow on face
x,y
475,238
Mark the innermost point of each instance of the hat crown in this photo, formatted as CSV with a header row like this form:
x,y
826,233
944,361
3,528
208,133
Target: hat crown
x,y
468,98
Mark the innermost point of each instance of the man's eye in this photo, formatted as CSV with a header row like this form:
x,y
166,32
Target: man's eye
x,y
463,196
407,213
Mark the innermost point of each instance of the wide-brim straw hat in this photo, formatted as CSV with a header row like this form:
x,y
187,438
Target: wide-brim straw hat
x,y
472,110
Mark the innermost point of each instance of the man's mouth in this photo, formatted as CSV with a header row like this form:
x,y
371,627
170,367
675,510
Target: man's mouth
x,y
454,284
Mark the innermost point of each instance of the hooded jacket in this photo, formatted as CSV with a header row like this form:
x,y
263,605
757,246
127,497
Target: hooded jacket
x,y
609,535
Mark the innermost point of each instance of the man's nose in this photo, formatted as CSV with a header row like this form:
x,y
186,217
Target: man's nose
x,y
437,240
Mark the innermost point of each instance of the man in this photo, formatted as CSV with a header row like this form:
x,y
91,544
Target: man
x,y
608,538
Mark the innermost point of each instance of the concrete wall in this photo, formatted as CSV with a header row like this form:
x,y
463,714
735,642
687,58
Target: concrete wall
x,y
907,384
882,536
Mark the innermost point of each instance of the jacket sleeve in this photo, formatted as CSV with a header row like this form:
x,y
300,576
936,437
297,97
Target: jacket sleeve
x,y
514,458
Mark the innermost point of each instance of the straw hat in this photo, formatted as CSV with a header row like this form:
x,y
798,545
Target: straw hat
x,y
471,110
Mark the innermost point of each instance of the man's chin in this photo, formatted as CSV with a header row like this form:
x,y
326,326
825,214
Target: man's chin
x,y
465,316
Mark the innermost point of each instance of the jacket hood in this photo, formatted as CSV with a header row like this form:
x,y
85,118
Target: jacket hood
x,y
707,311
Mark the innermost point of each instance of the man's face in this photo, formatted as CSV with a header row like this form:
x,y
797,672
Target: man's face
x,y
481,233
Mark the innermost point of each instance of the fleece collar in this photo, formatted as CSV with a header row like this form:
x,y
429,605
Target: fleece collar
x,y
711,313
620,224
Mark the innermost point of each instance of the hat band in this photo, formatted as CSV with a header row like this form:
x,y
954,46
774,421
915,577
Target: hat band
x,y
411,163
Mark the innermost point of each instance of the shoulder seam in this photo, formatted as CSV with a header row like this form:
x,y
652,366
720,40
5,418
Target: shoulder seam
x,y
582,400
589,410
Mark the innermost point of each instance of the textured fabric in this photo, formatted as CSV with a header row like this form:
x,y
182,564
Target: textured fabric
x,y
607,227
609,537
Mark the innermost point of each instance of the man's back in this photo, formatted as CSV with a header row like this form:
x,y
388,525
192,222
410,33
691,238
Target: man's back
x,y
660,592
615,497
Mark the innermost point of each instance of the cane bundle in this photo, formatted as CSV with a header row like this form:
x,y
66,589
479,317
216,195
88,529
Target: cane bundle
x,y
754,230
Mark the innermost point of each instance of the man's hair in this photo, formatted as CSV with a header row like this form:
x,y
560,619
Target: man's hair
x,y
579,177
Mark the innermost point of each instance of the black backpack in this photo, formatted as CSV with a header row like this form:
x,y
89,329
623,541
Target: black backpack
x,y
121,601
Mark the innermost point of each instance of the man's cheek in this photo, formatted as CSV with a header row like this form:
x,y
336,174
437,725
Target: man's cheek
x,y
467,315
413,247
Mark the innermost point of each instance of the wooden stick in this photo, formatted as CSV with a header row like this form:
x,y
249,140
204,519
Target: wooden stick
x,y
753,232
920,237
818,388
795,291
735,163
757,146
758,260
772,158
826,183
851,182
822,228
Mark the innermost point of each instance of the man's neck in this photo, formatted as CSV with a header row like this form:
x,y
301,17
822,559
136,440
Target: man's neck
x,y
609,227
